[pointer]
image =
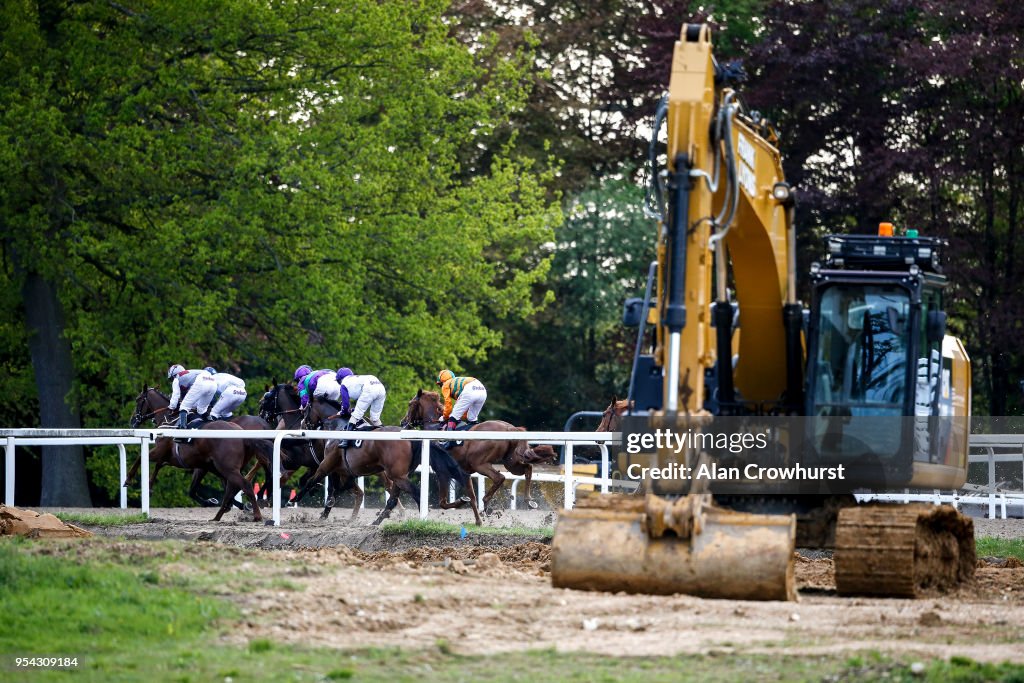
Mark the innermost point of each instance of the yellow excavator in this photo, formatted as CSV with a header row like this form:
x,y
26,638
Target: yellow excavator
x,y
865,382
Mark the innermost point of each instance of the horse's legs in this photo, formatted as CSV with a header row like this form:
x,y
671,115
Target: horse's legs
x,y
133,470
530,503
471,489
230,489
156,471
236,482
339,487
443,487
358,500
495,476
386,510
193,489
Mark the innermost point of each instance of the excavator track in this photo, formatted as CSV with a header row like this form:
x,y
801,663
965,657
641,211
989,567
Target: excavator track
x,y
902,550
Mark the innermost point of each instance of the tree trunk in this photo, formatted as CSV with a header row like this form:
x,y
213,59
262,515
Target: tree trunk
x,y
64,479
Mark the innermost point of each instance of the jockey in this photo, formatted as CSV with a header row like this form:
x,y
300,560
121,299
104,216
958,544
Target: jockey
x,y
230,394
367,392
307,385
468,393
195,390
327,387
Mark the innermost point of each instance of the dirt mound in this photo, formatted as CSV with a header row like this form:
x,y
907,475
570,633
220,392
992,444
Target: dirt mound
x,y
15,522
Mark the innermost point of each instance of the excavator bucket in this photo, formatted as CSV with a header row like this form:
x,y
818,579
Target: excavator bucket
x,y
653,545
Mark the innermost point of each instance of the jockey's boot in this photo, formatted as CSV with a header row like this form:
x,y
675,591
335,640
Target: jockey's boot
x,y
182,419
344,443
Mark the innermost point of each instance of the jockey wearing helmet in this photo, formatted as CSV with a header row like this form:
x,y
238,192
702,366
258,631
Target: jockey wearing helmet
x,y
468,395
307,381
367,392
194,389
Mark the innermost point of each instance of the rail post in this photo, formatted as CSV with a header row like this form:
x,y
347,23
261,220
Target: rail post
x,y
569,501
424,477
9,473
144,474
124,474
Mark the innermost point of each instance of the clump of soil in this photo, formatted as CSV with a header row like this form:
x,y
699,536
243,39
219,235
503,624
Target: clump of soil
x,y
16,522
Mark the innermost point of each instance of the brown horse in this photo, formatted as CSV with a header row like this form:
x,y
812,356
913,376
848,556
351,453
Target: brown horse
x,y
222,457
611,418
263,449
478,457
393,460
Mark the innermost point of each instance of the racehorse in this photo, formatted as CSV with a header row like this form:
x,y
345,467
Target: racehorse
x,y
477,457
263,449
391,459
280,406
611,418
222,457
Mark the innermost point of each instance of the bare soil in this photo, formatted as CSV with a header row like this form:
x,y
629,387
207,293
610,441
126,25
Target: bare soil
x,y
355,587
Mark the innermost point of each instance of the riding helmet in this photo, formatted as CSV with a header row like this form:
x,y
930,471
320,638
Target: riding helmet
x,y
174,370
444,376
343,373
210,370
302,371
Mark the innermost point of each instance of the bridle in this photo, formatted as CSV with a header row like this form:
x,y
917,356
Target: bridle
x,y
415,418
143,400
272,414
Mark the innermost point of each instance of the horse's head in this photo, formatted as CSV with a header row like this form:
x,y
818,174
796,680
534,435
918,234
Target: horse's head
x,y
424,411
316,413
545,453
611,417
279,399
148,404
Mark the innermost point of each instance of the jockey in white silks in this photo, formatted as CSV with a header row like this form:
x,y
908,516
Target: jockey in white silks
x,y
230,394
367,392
194,389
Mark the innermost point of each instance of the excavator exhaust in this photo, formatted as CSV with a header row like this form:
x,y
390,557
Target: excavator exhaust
x,y
653,545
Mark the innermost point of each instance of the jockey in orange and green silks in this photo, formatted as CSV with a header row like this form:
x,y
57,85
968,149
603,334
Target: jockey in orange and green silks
x,y
467,393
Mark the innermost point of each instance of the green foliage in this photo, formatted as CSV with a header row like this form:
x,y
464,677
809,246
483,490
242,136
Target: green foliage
x,y
255,187
103,518
575,354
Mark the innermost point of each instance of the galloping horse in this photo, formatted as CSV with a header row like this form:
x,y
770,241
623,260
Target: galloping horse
x,y
476,457
280,406
263,449
222,457
393,460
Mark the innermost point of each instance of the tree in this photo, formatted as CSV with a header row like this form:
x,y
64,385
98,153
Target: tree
x,y
575,354
254,187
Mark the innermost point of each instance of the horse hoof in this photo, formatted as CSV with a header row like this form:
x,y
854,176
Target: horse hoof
x,y
531,504
268,522
465,499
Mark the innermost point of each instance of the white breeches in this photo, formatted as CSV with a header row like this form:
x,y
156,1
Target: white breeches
x,y
370,398
328,388
200,394
470,402
230,399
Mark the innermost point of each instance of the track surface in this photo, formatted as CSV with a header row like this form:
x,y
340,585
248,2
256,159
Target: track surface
x,y
482,594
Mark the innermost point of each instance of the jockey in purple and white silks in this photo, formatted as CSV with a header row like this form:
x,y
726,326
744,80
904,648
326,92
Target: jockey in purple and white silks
x,y
230,394
307,385
195,390
367,392
327,387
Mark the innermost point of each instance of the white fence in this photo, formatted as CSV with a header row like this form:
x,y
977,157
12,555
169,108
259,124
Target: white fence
x,y
985,448
144,437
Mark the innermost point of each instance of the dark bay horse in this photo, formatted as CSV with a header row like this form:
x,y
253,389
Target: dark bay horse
x,y
479,457
223,457
393,460
156,406
280,407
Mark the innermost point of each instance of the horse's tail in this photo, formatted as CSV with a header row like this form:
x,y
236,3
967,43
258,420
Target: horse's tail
x,y
444,465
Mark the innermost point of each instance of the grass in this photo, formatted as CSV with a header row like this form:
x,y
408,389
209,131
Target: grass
x,y
988,546
426,527
103,519
161,612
